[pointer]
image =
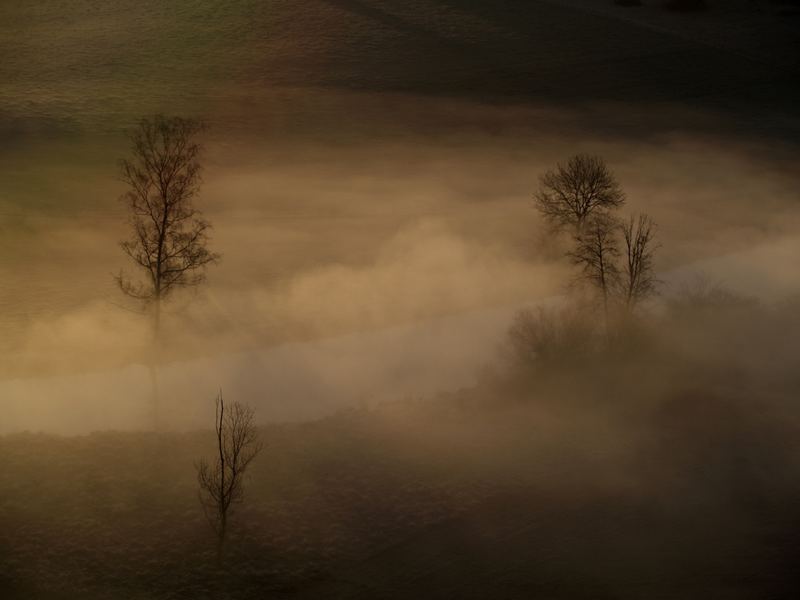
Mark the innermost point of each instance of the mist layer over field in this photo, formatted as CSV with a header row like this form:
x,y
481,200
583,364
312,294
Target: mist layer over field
x,y
444,414
368,165
664,466
320,243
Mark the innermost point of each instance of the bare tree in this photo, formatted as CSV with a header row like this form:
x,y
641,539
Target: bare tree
x,y
638,280
569,195
169,242
221,482
596,251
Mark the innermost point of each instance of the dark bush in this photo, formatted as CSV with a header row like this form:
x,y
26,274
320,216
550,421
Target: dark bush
x,y
548,337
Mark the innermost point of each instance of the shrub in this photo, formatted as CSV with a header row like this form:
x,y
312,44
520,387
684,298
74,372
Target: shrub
x,y
548,336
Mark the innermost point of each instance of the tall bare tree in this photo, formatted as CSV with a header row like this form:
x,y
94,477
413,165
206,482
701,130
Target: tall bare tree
x,y
221,482
570,194
169,241
638,280
596,251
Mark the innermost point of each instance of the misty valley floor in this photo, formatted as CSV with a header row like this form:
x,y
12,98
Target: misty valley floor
x,y
451,499
369,174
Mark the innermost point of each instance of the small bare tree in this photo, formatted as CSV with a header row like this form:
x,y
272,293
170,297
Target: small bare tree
x,y
595,252
638,280
569,194
169,242
221,482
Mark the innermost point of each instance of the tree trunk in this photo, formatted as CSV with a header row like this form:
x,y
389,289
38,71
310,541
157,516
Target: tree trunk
x,y
155,359
223,527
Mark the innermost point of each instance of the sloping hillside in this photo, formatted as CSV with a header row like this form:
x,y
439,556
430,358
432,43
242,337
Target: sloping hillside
x,y
87,64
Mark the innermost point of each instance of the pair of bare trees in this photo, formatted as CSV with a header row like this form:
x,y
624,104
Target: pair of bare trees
x,y
169,249
616,257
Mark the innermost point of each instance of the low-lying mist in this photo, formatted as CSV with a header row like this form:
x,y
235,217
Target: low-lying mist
x,y
441,393
662,458
363,252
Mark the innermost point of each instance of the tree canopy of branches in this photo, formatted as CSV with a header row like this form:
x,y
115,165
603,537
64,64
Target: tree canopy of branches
x,y
638,280
221,482
569,194
169,241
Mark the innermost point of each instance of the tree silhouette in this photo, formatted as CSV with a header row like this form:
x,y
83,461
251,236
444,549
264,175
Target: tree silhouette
x,y
221,482
569,194
637,278
169,241
596,251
